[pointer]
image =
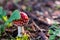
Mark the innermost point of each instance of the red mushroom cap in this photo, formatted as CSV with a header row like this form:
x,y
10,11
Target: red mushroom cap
x,y
24,16
23,20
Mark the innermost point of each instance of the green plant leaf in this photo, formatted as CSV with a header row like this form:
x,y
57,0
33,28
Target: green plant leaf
x,y
2,29
8,24
52,37
50,31
25,37
2,12
18,38
57,32
1,9
15,16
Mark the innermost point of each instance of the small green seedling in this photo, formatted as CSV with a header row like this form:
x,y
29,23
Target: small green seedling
x,y
54,31
7,22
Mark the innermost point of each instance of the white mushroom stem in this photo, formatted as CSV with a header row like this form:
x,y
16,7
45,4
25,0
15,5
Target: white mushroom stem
x,y
19,31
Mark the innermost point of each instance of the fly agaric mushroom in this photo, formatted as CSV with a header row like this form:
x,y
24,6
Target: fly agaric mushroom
x,y
21,22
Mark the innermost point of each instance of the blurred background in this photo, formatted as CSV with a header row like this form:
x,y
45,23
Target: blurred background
x,y
43,12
